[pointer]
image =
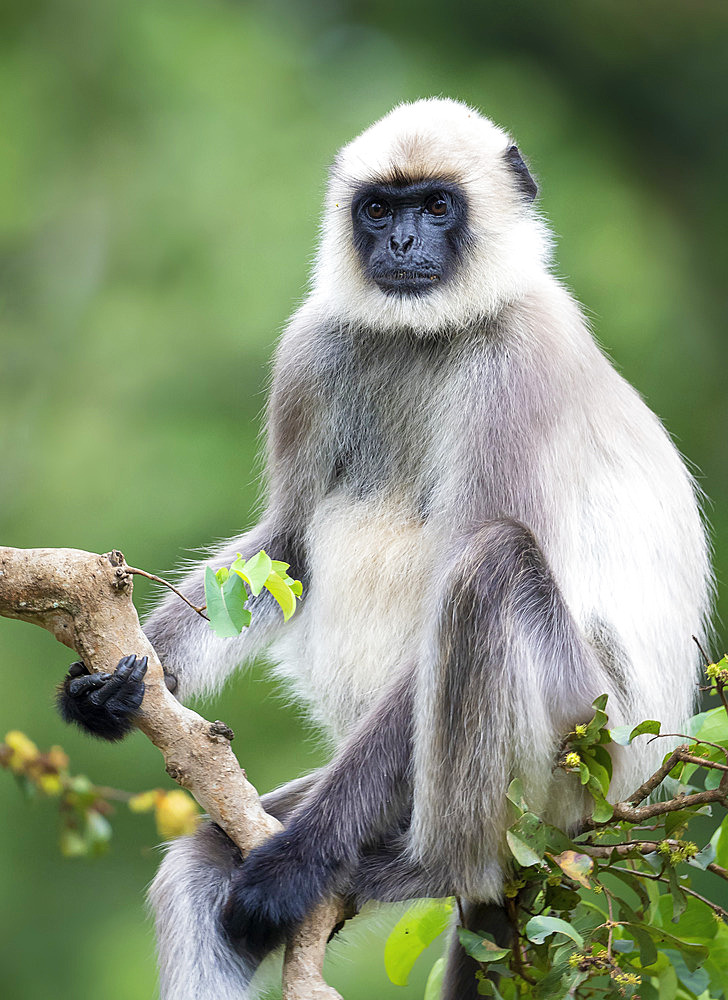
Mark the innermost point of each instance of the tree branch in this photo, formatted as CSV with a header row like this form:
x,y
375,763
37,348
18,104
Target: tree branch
x,y
85,601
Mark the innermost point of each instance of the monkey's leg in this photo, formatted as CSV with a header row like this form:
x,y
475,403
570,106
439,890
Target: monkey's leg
x,y
356,798
195,957
506,675
282,801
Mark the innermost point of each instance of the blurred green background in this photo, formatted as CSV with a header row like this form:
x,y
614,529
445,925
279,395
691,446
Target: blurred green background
x,y
161,171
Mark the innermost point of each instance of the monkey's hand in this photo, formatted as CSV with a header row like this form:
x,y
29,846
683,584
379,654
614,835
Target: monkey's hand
x,y
278,884
103,705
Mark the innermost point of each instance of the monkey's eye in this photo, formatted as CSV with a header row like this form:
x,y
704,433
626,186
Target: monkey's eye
x,y
377,210
436,205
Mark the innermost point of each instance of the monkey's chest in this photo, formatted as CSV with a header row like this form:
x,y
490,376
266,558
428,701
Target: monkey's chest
x,y
365,607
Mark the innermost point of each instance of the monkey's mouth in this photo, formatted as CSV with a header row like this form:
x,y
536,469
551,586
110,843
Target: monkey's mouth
x,y
407,281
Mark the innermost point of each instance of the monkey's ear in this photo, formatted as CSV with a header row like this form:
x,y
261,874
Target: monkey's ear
x,y
526,183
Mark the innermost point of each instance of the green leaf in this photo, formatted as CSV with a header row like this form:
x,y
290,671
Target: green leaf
x,y
487,988
527,840
714,727
235,596
220,620
433,989
558,897
600,776
480,947
282,594
704,858
717,961
676,820
696,924
256,571
719,840
623,735
414,932
549,986
602,811
648,951
222,574
603,757
696,980
539,928
515,795
633,882
693,953
666,977
679,899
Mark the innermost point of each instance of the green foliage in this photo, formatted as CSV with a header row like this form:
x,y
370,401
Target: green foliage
x,y
611,911
415,931
226,594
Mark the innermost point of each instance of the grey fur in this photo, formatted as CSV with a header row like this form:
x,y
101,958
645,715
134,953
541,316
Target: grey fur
x,y
491,526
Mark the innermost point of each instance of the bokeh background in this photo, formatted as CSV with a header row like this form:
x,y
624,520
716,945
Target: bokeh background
x,y
161,172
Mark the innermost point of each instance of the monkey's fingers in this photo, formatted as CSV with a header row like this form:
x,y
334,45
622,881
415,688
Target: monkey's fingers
x,y
87,684
127,676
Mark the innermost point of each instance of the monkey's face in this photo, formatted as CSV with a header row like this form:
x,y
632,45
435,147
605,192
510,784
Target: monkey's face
x,y
409,236
428,225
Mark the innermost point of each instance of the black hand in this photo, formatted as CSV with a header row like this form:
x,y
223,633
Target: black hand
x,y
103,705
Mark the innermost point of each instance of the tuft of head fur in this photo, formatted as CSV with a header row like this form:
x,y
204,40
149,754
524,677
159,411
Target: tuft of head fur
x,y
447,140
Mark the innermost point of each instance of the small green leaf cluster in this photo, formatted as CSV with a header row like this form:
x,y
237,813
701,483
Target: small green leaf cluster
x,y
717,673
228,590
586,752
610,911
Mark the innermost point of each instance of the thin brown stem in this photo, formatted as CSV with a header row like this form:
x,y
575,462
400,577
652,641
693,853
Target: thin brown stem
x,y
165,583
705,656
656,779
610,925
629,814
723,914
718,870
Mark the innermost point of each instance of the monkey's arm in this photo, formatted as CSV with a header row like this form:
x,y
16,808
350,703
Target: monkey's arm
x,y
505,674
194,659
192,654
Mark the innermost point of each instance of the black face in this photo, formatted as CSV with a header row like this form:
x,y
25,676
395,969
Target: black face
x,y
410,236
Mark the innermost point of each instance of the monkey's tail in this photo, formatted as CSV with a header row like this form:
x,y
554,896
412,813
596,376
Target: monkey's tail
x,y
196,961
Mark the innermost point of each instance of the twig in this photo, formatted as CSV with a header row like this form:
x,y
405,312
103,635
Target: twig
x,y
610,925
723,914
718,870
625,811
165,583
705,656
656,779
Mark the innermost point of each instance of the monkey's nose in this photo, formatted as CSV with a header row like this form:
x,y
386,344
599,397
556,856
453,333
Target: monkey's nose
x,y
401,247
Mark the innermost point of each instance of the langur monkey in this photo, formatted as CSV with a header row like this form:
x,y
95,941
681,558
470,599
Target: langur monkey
x,y
491,529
